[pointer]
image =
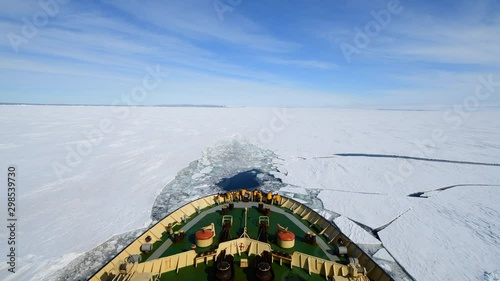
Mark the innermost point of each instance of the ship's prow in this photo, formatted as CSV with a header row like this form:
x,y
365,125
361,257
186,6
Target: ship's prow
x,y
242,235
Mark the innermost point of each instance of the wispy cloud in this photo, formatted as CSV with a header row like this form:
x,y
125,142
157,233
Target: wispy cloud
x,y
301,63
100,45
439,41
198,20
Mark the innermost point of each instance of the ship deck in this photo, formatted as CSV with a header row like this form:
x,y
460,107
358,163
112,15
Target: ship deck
x,y
205,272
322,249
167,260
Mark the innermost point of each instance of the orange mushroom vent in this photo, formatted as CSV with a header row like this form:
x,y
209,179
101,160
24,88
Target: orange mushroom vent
x,y
204,234
286,235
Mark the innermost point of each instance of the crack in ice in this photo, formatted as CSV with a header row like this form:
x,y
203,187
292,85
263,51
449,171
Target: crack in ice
x,y
424,194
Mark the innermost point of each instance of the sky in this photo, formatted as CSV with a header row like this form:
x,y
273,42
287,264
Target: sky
x,y
346,53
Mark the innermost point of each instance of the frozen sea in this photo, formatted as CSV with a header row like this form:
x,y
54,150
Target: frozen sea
x,y
418,190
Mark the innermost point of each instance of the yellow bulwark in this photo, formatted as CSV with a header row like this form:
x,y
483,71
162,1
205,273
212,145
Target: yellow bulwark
x,y
366,270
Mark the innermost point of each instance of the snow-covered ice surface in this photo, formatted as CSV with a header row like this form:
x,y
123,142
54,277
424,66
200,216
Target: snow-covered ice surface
x,y
357,167
369,212
387,262
356,233
382,254
461,224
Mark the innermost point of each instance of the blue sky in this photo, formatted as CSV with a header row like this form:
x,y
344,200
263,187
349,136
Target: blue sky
x,y
233,52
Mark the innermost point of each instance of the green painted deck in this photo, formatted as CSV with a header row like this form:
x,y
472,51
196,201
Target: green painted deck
x,y
206,272
166,248
237,229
